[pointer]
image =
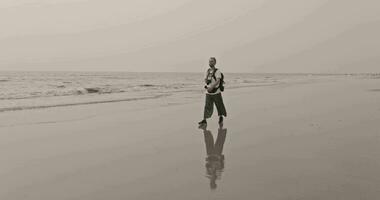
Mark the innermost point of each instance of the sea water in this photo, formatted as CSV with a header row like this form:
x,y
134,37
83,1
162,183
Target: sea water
x,y
34,90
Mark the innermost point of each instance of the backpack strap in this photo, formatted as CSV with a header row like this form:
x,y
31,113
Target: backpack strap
x,y
213,73
213,76
208,72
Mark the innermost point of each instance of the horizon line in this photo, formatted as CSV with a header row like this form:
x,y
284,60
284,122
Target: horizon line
x,y
116,71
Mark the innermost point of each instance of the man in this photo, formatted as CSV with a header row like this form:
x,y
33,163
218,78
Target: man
x,y
213,93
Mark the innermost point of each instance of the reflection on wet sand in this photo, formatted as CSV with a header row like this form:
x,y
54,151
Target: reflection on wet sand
x,y
215,158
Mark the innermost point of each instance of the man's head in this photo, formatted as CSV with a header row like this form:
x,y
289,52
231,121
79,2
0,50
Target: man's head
x,y
212,61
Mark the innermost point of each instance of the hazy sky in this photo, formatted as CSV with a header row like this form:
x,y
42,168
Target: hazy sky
x,y
180,35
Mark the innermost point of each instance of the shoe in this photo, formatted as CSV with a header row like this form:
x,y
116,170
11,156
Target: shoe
x,y
220,119
202,122
203,127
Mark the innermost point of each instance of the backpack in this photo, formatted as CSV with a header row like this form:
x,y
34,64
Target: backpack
x,y
221,83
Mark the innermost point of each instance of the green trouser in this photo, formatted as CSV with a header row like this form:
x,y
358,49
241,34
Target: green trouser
x,y
209,105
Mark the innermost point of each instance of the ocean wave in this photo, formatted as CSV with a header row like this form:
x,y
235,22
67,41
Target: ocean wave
x,y
61,90
98,90
147,85
17,108
22,90
92,90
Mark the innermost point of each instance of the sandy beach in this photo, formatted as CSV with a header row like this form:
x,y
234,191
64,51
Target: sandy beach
x,y
315,139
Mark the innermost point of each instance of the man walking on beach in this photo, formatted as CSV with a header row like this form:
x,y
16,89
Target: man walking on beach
x,y
213,80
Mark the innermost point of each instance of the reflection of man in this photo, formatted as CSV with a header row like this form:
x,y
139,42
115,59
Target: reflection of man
x,y
215,158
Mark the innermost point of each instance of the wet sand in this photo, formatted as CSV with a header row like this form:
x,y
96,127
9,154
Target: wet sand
x,y
315,140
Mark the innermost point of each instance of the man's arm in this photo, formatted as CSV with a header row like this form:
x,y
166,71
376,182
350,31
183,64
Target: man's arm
x,y
216,83
212,86
218,76
205,75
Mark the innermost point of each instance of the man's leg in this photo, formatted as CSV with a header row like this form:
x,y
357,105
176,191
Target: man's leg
x,y
220,105
209,107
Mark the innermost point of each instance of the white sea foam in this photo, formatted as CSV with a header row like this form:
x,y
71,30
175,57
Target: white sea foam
x,y
27,90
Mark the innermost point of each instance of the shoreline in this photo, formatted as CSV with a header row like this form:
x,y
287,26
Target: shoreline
x,y
30,103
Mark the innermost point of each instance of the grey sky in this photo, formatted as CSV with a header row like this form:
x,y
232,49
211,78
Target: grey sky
x,y
180,35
